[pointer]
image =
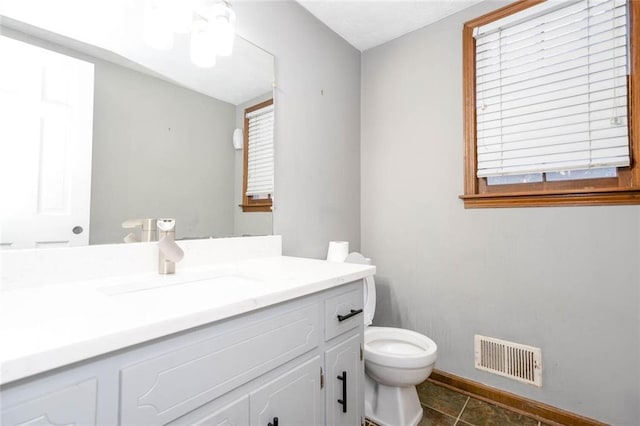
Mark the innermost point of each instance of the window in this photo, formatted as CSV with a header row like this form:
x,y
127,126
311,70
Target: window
x,y
551,109
257,188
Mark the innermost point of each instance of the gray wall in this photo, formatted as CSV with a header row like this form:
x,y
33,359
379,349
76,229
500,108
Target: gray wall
x,y
249,223
159,150
317,127
564,279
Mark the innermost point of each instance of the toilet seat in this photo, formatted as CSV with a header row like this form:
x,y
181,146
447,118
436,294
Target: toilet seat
x,y
398,348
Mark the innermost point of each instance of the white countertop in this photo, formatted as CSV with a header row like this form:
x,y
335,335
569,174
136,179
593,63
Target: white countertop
x,y
45,327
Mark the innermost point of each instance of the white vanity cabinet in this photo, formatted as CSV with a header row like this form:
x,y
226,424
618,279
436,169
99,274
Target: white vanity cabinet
x,y
278,365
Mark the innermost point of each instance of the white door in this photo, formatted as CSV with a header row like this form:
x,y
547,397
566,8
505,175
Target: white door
x,y
46,126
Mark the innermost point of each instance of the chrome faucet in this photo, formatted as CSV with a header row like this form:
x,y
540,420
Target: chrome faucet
x,y
170,252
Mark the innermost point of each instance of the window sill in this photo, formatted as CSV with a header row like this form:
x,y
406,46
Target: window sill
x,y
550,198
247,208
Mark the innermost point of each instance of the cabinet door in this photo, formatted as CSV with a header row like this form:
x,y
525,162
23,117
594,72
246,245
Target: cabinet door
x,y
294,398
345,369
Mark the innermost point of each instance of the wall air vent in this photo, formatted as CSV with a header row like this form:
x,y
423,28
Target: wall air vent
x,y
508,359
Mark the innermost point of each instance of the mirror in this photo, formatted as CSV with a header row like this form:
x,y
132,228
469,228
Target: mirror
x,y
161,128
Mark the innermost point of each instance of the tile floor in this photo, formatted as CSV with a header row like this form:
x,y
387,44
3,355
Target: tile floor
x,y
445,407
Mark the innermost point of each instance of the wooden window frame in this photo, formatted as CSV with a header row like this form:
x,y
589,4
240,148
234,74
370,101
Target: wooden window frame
x,y
621,190
248,203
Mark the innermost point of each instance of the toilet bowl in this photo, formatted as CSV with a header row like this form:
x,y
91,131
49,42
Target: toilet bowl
x,y
395,361
398,357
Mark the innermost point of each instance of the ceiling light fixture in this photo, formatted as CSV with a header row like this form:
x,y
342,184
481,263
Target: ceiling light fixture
x,y
211,24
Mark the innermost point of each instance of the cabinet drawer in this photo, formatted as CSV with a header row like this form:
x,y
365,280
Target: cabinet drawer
x,y
340,306
161,389
74,404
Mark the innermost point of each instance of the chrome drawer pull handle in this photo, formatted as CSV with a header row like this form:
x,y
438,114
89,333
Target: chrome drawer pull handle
x,y
349,315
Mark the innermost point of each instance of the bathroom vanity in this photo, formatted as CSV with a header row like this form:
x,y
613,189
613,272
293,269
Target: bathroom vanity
x,y
254,338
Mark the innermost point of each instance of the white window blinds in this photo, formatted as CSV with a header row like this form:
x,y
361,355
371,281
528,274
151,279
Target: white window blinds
x,y
260,153
551,89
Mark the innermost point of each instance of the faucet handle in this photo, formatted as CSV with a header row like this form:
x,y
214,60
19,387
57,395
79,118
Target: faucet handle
x,y
145,223
131,238
131,223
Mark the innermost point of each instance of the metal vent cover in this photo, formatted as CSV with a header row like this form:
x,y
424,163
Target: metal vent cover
x,y
513,360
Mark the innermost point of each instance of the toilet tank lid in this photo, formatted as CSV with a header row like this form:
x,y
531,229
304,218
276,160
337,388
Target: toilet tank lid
x,y
369,301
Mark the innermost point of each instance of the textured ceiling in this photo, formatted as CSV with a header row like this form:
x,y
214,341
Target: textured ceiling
x,y
369,23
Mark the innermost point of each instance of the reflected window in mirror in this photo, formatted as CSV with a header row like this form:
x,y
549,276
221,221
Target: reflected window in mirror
x,y
257,188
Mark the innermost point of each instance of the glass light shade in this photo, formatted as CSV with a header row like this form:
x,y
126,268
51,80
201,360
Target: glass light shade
x,y
203,45
222,22
224,35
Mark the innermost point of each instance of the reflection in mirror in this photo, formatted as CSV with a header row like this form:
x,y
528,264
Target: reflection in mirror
x,y
96,130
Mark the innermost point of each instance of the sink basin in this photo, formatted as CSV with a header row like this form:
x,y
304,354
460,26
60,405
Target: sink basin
x,y
174,282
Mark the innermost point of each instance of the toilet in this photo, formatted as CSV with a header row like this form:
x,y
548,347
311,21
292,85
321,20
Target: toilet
x,y
395,361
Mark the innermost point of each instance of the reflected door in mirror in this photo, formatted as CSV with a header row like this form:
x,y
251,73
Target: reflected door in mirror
x,y
46,115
